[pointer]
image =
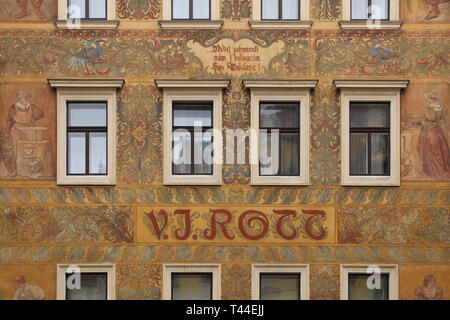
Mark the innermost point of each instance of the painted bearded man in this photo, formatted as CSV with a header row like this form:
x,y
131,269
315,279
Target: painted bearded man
x,y
23,8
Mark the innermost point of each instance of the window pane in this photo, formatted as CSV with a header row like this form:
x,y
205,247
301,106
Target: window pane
x,y
290,9
191,286
180,9
76,153
380,9
368,115
200,9
280,287
202,159
379,153
268,152
93,287
187,116
290,146
76,9
181,152
97,153
359,9
358,153
86,114
269,9
279,115
97,9
358,289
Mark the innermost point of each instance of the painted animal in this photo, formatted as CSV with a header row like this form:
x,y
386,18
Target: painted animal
x,y
88,54
379,53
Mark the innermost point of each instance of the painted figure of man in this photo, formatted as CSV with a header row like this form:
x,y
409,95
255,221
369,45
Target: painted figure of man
x,y
21,113
434,12
23,8
27,291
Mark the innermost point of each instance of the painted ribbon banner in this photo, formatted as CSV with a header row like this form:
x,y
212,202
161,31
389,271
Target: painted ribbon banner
x,y
236,224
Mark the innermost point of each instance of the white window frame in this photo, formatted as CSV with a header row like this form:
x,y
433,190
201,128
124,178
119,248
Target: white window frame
x,y
371,91
303,269
394,22
85,90
391,269
109,23
303,24
213,24
215,269
280,90
192,90
62,269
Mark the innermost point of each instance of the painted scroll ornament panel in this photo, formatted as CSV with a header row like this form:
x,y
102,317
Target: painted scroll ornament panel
x,y
27,9
236,225
425,124
27,282
27,131
425,10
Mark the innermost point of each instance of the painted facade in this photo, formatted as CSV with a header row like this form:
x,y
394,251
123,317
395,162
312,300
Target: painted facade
x,y
140,224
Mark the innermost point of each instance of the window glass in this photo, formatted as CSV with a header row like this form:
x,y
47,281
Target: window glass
x,y
76,149
202,143
380,9
359,9
86,114
200,9
76,9
279,115
268,153
380,153
370,115
189,116
181,152
93,286
97,153
290,10
269,9
290,154
359,290
358,153
180,9
279,286
97,9
191,286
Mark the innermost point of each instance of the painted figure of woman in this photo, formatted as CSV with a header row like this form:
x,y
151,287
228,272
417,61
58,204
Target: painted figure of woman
x,y
434,12
429,290
433,149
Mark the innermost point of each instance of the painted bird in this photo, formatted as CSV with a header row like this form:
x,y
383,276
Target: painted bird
x,y
88,54
379,53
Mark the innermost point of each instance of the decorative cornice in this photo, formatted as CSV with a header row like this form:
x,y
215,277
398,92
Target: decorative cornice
x,y
86,83
191,24
280,24
88,24
369,83
186,83
364,25
259,83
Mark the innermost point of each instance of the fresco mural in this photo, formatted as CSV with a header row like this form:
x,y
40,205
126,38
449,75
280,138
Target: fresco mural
x,y
235,9
425,10
28,9
324,282
27,282
425,152
325,10
236,282
27,132
421,282
139,281
138,9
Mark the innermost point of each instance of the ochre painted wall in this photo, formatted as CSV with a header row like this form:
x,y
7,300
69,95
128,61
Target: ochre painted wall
x,y
42,224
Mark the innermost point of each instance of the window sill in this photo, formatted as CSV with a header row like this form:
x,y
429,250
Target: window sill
x,y
191,24
279,181
388,181
280,24
88,24
215,180
109,180
362,25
